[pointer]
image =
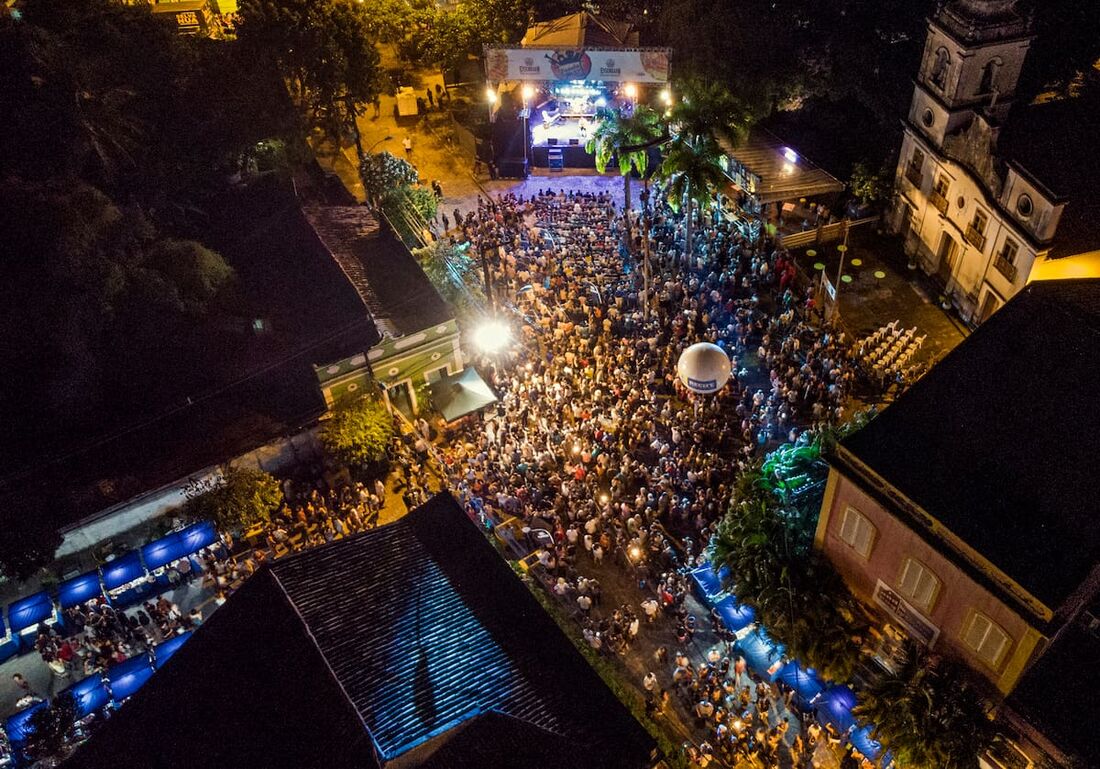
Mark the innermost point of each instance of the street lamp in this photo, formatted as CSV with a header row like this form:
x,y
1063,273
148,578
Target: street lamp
x,y
666,97
492,336
631,91
528,91
383,139
491,95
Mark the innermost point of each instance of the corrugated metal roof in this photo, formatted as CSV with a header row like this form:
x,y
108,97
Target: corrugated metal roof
x,y
784,174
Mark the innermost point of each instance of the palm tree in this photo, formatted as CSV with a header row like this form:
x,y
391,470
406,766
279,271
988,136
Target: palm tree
x,y
692,174
627,138
708,109
928,713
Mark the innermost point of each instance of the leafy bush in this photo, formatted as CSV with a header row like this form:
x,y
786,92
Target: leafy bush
x,y
243,499
359,434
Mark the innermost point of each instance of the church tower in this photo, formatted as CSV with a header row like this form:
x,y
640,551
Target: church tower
x,y
971,64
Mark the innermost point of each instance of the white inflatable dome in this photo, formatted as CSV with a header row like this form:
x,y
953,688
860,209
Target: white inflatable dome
x,y
703,368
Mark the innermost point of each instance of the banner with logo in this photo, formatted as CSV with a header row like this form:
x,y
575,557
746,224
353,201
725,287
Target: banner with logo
x,y
642,65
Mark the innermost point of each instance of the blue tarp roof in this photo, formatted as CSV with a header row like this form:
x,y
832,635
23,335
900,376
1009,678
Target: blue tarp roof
x,y
805,682
16,726
29,611
759,651
127,677
178,544
90,694
735,616
863,742
836,706
162,651
122,570
79,589
709,581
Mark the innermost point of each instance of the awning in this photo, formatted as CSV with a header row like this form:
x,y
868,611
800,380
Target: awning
x,y
127,677
836,707
178,544
578,31
29,611
709,581
79,589
804,682
457,395
862,741
735,616
90,694
124,569
770,170
163,651
759,651
17,726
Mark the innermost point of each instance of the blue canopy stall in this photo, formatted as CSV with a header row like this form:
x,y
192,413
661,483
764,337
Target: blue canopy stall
x,y
127,677
198,535
28,612
836,706
805,683
735,616
123,569
162,651
90,694
79,589
710,582
17,726
862,741
759,651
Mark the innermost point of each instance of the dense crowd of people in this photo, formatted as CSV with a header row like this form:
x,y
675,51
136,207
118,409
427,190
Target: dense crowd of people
x,y
598,448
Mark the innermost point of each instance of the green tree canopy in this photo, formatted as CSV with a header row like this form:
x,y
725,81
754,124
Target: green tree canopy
x,y
707,109
243,499
692,176
326,50
453,272
449,35
627,139
359,434
51,727
383,172
928,713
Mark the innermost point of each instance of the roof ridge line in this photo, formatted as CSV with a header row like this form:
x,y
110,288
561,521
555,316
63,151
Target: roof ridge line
x,y
379,757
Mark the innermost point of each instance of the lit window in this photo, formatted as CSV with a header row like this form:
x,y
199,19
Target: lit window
x,y
918,584
986,639
857,532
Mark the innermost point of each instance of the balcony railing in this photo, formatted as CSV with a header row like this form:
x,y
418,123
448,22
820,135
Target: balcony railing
x,y
913,174
975,238
939,201
1005,267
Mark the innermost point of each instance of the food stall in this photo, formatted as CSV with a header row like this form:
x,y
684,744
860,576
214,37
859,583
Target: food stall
x,y
164,650
125,580
25,614
127,677
90,694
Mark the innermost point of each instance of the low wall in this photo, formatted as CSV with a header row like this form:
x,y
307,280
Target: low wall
x,y
278,457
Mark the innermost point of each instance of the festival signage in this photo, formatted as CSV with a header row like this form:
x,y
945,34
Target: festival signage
x,y
638,65
909,618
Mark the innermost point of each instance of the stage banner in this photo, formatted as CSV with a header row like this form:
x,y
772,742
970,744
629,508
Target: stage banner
x,y
639,65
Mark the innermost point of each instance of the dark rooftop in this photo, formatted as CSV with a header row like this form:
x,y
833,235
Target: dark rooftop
x,y
416,635
1054,695
1052,143
993,441
398,293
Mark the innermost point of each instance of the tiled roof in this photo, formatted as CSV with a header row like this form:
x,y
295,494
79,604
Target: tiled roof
x,y
417,629
992,442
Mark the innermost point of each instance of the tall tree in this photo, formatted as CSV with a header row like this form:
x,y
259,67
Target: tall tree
x,y
626,139
243,498
693,176
707,109
928,713
327,52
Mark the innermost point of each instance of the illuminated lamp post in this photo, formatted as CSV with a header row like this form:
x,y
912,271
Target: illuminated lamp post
x,y
528,91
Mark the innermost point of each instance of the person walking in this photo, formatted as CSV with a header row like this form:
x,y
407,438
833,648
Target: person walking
x,y
407,143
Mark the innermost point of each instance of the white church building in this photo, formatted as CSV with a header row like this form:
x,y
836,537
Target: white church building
x,y
991,193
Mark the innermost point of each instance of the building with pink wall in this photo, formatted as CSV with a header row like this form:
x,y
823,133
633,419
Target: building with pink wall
x,y
965,516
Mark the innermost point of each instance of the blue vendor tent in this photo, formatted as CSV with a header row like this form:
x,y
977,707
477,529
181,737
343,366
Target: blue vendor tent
x,y
79,589
127,677
862,741
179,544
735,616
162,651
836,706
17,726
123,569
90,694
708,581
29,611
759,651
805,683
